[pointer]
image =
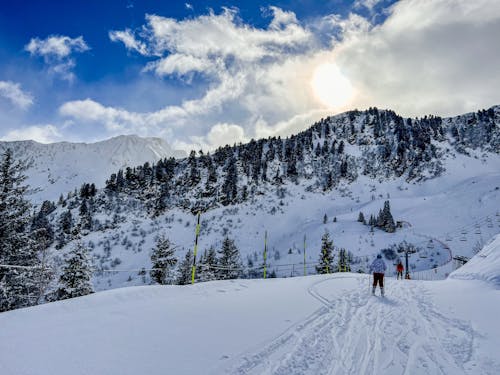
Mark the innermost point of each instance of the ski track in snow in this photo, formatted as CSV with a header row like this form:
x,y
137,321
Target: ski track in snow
x,y
409,336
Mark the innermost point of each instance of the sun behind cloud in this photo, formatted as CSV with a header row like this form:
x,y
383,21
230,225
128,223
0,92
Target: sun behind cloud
x,y
331,87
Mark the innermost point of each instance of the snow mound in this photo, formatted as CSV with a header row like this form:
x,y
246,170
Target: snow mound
x,y
484,266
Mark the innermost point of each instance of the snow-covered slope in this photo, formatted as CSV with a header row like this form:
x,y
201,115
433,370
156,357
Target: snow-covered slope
x,y
305,325
58,168
484,266
441,176
464,199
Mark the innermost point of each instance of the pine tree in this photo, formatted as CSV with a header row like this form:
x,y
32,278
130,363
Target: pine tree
x,y
385,220
75,280
194,173
326,255
211,176
66,222
160,204
380,219
208,264
361,218
230,185
229,261
18,285
389,224
372,222
340,150
325,219
185,269
45,273
85,215
40,221
163,260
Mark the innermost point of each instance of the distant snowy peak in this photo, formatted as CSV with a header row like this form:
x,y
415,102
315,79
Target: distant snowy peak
x,y
58,168
132,150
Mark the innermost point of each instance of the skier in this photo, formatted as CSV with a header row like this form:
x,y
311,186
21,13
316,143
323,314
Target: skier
x,y
378,268
399,270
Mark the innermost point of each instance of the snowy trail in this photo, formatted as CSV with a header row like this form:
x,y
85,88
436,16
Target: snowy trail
x,y
361,334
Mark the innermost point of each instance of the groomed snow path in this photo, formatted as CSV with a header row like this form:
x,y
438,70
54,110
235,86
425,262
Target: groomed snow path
x,y
356,333
312,325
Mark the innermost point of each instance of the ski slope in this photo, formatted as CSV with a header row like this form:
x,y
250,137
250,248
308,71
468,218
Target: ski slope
x,y
327,324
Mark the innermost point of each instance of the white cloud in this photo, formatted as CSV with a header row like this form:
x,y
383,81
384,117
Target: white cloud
x,y
56,51
368,4
128,39
222,35
179,64
236,59
281,18
220,134
427,57
188,6
223,134
56,46
13,92
38,133
116,120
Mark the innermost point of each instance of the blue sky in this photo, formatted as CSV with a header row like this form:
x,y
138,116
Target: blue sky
x,y
206,73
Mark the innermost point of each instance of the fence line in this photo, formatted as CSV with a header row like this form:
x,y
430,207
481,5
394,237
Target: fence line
x,y
276,267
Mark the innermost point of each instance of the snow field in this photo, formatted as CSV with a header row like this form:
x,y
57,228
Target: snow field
x,y
306,325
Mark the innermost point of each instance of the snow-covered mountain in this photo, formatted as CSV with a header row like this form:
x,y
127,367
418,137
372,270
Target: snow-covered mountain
x,y
440,176
327,324
58,168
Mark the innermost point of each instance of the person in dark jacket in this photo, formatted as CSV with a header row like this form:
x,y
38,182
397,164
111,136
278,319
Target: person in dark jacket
x,y
378,268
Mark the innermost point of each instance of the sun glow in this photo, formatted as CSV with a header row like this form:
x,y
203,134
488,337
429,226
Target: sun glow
x,y
331,87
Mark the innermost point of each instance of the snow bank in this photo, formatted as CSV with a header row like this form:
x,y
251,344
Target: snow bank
x,y
483,266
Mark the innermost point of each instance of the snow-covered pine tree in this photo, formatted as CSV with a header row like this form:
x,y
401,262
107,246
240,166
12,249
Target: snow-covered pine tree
x,y
85,215
45,273
185,269
75,280
361,218
194,173
163,260
208,264
385,220
18,285
230,185
229,261
40,221
389,224
326,255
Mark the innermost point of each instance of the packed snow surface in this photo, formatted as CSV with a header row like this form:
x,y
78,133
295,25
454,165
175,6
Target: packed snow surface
x,y
484,266
327,324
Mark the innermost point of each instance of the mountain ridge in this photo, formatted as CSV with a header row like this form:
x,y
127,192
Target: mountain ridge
x,y
320,179
60,167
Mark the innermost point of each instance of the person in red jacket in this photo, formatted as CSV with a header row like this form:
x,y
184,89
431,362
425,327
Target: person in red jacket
x,y
400,269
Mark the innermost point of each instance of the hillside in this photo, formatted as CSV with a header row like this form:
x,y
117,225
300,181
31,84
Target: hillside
x,y
325,324
441,177
59,168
